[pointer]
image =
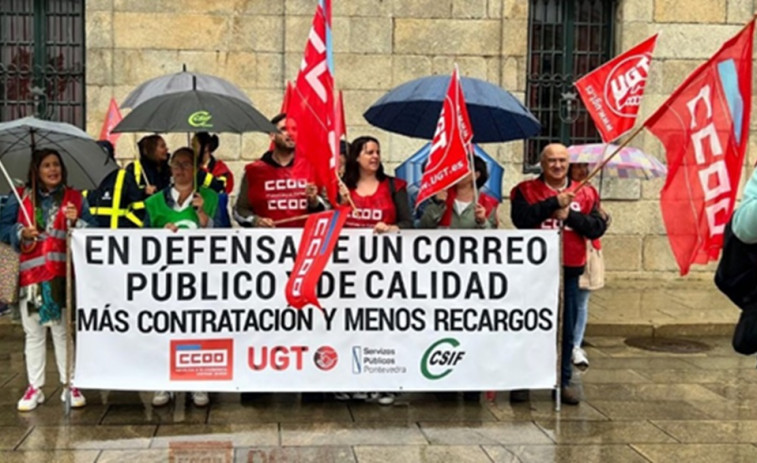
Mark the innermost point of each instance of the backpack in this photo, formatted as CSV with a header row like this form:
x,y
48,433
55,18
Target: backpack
x,y
736,277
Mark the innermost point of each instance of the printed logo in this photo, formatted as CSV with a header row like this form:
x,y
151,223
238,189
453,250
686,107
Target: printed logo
x,y
440,358
357,360
325,358
278,357
202,360
200,119
625,85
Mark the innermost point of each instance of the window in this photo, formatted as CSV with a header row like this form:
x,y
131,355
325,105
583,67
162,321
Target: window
x,y
42,60
566,39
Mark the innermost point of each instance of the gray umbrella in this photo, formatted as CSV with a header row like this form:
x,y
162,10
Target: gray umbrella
x,y
195,111
179,82
87,164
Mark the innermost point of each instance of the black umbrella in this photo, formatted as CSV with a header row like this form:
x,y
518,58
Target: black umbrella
x,y
195,111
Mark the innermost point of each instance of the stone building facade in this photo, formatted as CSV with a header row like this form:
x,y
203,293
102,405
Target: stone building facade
x,y
379,44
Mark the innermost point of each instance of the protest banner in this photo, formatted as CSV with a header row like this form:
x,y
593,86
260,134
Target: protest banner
x,y
418,310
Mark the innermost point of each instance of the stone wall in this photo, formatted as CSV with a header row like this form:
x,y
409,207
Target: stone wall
x,y
379,44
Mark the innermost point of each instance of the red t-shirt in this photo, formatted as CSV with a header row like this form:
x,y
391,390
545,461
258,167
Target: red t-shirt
x,y
275,192
587,198
378,207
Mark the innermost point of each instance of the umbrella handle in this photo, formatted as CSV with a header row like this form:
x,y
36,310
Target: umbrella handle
x,y
15,193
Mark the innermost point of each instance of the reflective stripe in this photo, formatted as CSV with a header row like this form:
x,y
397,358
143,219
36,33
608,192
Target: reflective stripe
x,y
208,180
84,193
134,219
137,171
138,205
31,263
60,234
117,198
56,256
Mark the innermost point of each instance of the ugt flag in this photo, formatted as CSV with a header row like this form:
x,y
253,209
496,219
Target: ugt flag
x,y
319,237
704,126
612,93
112,118
448,160
311,104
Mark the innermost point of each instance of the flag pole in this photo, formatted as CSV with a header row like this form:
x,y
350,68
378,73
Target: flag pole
x,y
601,166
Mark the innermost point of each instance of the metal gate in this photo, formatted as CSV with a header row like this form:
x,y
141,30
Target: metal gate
x,y
42,60
566,39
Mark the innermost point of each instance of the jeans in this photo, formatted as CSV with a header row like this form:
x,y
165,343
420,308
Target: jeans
x,y
570,308
582,316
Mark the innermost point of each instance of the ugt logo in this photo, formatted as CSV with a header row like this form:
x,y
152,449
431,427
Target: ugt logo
x,y
440,358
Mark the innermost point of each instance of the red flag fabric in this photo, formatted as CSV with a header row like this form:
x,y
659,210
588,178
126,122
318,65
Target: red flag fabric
x,y
448,160
318,240
612,93
112,118
704,126
311,106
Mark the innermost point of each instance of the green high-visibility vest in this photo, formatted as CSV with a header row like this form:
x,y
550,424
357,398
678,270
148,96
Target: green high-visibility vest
x,y
161,214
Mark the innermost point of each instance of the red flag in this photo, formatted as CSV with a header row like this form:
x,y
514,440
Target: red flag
x,y
311,106
112,118
319,237
448,159
704,126
612,93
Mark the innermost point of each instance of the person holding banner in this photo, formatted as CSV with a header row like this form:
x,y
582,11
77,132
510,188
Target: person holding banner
x,y
273,188
53,208
380,200
553,201
454,208
180,206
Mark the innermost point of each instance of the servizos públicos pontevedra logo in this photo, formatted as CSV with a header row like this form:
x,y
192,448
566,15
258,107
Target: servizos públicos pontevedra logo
x,y
200,119
440,358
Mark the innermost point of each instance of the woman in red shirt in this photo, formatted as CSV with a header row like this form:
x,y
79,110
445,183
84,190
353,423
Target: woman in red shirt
x,y
380,200
380,203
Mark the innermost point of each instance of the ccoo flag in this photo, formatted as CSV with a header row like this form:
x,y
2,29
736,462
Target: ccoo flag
x,y
704,126
319,237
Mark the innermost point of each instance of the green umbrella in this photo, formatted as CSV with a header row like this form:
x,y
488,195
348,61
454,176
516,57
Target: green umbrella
x,y
195,111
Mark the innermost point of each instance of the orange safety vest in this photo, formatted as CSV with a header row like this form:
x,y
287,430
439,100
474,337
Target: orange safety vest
x,y
47,259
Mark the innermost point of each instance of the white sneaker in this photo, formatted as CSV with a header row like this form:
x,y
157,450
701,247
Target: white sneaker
x,y
200,399
77,398
386,398
579,357
342,396
32,397
160,398
360,396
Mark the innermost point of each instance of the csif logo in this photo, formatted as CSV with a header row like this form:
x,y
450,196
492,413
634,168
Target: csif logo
x,y
200,119
440,358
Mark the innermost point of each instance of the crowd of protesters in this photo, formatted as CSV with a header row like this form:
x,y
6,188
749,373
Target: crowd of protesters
x,y
191,188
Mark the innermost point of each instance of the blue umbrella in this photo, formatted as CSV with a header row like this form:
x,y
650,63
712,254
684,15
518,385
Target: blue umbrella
x,y
413,109
411,171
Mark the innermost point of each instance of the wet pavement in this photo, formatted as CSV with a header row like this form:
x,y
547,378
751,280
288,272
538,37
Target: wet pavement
x,y
640,406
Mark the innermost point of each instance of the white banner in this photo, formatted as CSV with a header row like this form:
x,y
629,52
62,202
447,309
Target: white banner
x,y
420,310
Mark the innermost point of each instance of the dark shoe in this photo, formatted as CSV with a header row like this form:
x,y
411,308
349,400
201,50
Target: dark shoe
x,y
313,398
519,396
472,396
247,397
570,395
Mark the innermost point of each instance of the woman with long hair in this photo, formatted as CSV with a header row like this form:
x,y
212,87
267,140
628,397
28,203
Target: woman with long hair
x,y
380,200
48,209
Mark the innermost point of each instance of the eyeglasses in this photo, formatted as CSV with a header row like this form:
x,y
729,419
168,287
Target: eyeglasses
x,y
182,165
